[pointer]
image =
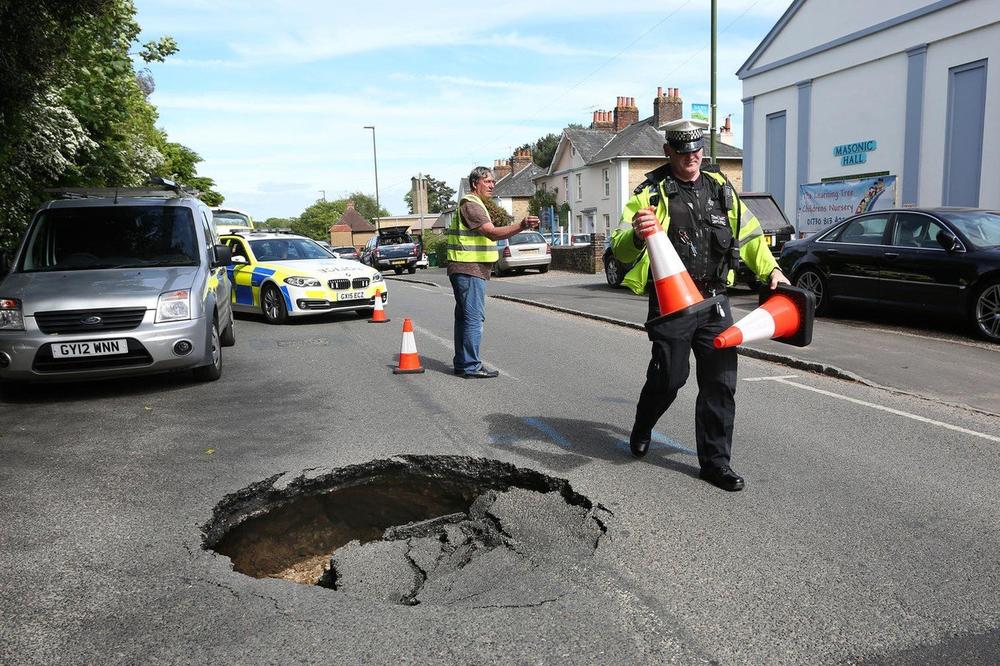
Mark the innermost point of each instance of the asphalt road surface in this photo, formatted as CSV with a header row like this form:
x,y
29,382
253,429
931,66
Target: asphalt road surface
x,y
868,532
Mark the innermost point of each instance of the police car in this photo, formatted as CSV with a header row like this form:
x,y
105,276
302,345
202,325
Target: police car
x,y
284,275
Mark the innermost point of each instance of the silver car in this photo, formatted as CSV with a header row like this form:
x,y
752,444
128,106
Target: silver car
x,y
527,249
126,284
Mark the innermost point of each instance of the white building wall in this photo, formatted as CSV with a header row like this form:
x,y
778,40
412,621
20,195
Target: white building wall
x,y
859,92
941,56
964,17
824,21
847,107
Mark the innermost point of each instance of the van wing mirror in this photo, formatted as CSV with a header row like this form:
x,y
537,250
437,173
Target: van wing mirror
x,y
948,241
223,256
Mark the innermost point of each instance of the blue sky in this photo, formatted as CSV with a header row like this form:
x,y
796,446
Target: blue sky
x,y
274,95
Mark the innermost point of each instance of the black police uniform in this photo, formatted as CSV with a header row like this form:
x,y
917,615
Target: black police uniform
x,y
699,230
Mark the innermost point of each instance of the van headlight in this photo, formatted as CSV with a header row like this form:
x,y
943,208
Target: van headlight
x,y
11,317
377,277
299,281
174,306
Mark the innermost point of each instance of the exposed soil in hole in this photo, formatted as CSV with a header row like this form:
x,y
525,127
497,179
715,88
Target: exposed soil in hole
x,y
414,529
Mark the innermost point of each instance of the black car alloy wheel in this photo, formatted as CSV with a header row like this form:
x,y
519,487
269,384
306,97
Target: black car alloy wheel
x,y
987,312
811,280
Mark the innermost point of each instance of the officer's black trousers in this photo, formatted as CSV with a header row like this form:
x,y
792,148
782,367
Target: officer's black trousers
x,y
668,370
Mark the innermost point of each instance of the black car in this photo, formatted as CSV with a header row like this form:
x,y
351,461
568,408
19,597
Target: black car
x,y
943,261
777,231
392,248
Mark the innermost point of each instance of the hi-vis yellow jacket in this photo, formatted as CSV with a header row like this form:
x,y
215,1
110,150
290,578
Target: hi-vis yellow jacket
x,y
467,245
753,249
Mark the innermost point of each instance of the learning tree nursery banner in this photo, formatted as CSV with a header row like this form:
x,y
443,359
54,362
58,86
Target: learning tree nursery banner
x,y
823,204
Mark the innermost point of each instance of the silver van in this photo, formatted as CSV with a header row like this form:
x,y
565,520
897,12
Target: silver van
x,y
116,282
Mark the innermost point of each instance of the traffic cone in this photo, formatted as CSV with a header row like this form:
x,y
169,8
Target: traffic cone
x,y
409,360
378,314
785,315
675,290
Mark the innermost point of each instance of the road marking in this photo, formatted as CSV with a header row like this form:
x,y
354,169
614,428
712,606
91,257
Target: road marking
x,y
449,344
659,441
549,431
897,412
764,379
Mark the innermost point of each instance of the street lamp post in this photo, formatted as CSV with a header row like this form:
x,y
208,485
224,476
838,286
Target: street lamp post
x,y
378,206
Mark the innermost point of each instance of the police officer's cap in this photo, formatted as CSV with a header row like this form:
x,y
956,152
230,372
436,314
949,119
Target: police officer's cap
x,y
683,135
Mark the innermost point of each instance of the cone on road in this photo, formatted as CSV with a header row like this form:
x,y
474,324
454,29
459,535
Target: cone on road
x,y
378,314
675,290
785,315
409,360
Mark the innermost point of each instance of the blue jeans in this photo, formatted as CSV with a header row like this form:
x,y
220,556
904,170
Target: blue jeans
x,y
470,301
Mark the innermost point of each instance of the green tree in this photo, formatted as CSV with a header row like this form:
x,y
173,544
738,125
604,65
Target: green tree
x,y
316,220
73,109
365,205
543,150
541,199
440,197
498,215
179,164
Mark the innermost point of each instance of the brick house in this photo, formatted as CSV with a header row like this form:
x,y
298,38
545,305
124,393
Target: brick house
x,y
595,170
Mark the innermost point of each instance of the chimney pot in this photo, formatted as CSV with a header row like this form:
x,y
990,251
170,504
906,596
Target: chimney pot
x,y
677,93
659,91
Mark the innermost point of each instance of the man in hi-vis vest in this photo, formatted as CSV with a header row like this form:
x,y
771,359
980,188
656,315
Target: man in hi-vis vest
x,y
472,251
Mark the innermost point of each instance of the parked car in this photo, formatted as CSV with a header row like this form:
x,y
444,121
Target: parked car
x,y
422,262
566,238
776,227
527,249
932,260
777,231
347,252
230,220
392,248
116,282
286,275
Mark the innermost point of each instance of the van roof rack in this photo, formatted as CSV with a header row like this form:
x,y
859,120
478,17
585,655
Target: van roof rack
x,y
158,188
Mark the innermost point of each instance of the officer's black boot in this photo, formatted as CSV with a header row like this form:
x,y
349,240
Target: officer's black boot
x,y
638,441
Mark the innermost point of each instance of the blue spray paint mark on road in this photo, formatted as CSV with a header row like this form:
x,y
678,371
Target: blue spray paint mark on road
x,y
506,438
550,432
659,441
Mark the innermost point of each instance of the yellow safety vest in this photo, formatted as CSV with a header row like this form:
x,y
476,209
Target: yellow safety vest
x,y
466,245
753,248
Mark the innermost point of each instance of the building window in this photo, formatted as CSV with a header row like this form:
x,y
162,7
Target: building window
x,y
579,187
607,183
566,186
607,225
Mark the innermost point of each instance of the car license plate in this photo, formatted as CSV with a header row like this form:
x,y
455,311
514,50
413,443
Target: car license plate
x,y
398,262
529,250
91,348
351,296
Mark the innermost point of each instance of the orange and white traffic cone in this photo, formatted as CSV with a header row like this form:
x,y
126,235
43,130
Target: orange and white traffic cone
x,y
378,314
675,290
409,360
784,316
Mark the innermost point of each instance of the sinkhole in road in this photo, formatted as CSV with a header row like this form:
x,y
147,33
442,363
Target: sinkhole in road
x,y
441,530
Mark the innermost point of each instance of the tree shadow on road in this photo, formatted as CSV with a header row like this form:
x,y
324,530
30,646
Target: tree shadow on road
x,y
562,445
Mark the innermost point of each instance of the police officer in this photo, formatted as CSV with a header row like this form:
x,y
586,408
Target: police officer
x,y
709,227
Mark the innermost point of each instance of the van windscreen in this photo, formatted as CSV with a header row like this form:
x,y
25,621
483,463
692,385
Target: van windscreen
x,y
96,237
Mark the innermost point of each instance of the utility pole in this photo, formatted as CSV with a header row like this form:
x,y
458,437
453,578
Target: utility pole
x,y
378,206
323,193
711,128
